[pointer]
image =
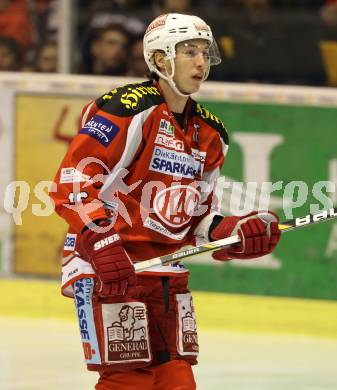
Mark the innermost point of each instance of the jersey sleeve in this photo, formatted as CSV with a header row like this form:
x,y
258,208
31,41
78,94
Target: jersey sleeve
x,y
92,155
111,136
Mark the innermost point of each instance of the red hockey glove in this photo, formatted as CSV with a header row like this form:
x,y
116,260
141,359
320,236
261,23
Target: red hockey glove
x,y
258,231
114,270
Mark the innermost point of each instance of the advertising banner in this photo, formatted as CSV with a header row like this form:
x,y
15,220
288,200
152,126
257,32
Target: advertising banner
x,y
290,147
294,148
45,125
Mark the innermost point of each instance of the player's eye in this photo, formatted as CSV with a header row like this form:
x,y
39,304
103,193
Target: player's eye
x,y
205,54
190,52
194,52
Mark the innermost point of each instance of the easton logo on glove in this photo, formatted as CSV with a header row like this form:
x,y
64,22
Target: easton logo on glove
x,y
106,241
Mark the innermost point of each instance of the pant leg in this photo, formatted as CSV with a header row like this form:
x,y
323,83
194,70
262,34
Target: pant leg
x,y
167,328
174,375
127,380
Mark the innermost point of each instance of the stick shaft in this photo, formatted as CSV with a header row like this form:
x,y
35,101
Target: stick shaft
x,y
308,219
286,226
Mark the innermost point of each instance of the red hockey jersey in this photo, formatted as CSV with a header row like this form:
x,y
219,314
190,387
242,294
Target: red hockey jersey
x,y
132,162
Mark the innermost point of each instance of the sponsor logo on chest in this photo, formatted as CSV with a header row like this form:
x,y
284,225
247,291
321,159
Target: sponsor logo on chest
x,y
175,205
165,136
165,127
177,163
169,142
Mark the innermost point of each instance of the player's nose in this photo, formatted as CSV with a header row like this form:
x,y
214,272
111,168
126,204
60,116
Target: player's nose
x,y
201,61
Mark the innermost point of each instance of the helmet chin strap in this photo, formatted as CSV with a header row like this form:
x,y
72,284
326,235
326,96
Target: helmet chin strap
x,y
169,79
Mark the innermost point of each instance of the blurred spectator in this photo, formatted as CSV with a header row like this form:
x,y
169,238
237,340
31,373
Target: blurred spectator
x,y
328,42
107,52
126,18
47,18
178,6
298,3
45,60
251,42
328,14
137,65
260,44
15,21
10,55
131,14
255,5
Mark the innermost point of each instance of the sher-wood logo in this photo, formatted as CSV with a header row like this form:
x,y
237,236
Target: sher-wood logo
x,y
127,335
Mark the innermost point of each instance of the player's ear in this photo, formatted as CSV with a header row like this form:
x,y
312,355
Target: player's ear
x,y
159,60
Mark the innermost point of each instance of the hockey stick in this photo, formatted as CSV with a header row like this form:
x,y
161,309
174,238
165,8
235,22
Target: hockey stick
x,y
286,226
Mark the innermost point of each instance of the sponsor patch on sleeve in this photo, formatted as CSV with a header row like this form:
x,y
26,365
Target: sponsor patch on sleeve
x,y
101,129
70,242
72,175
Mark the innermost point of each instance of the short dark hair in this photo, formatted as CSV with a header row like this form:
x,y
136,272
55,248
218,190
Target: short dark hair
x,y
98,32
151,75
93,35
12,45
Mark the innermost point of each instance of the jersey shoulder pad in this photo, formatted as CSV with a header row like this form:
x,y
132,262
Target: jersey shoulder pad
x,y
211,119
130,99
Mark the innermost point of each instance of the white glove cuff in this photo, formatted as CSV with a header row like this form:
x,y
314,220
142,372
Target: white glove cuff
x,y
202,230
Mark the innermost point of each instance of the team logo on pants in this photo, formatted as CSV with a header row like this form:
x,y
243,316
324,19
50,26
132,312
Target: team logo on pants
x,y
187,335
126,336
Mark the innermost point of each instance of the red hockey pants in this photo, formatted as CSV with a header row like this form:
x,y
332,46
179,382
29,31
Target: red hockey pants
x,y
173,375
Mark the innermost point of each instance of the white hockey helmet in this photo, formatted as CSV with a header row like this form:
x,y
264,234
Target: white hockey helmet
x,y
166,31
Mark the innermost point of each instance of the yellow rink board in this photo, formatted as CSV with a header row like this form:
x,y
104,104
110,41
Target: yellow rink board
x,y
57,118
244,313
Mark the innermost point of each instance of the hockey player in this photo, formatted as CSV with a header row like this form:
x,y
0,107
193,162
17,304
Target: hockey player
x,y
137,182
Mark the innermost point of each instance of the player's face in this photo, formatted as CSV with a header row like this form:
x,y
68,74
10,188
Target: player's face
x,y
191,64
110,49
47,60
7,59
